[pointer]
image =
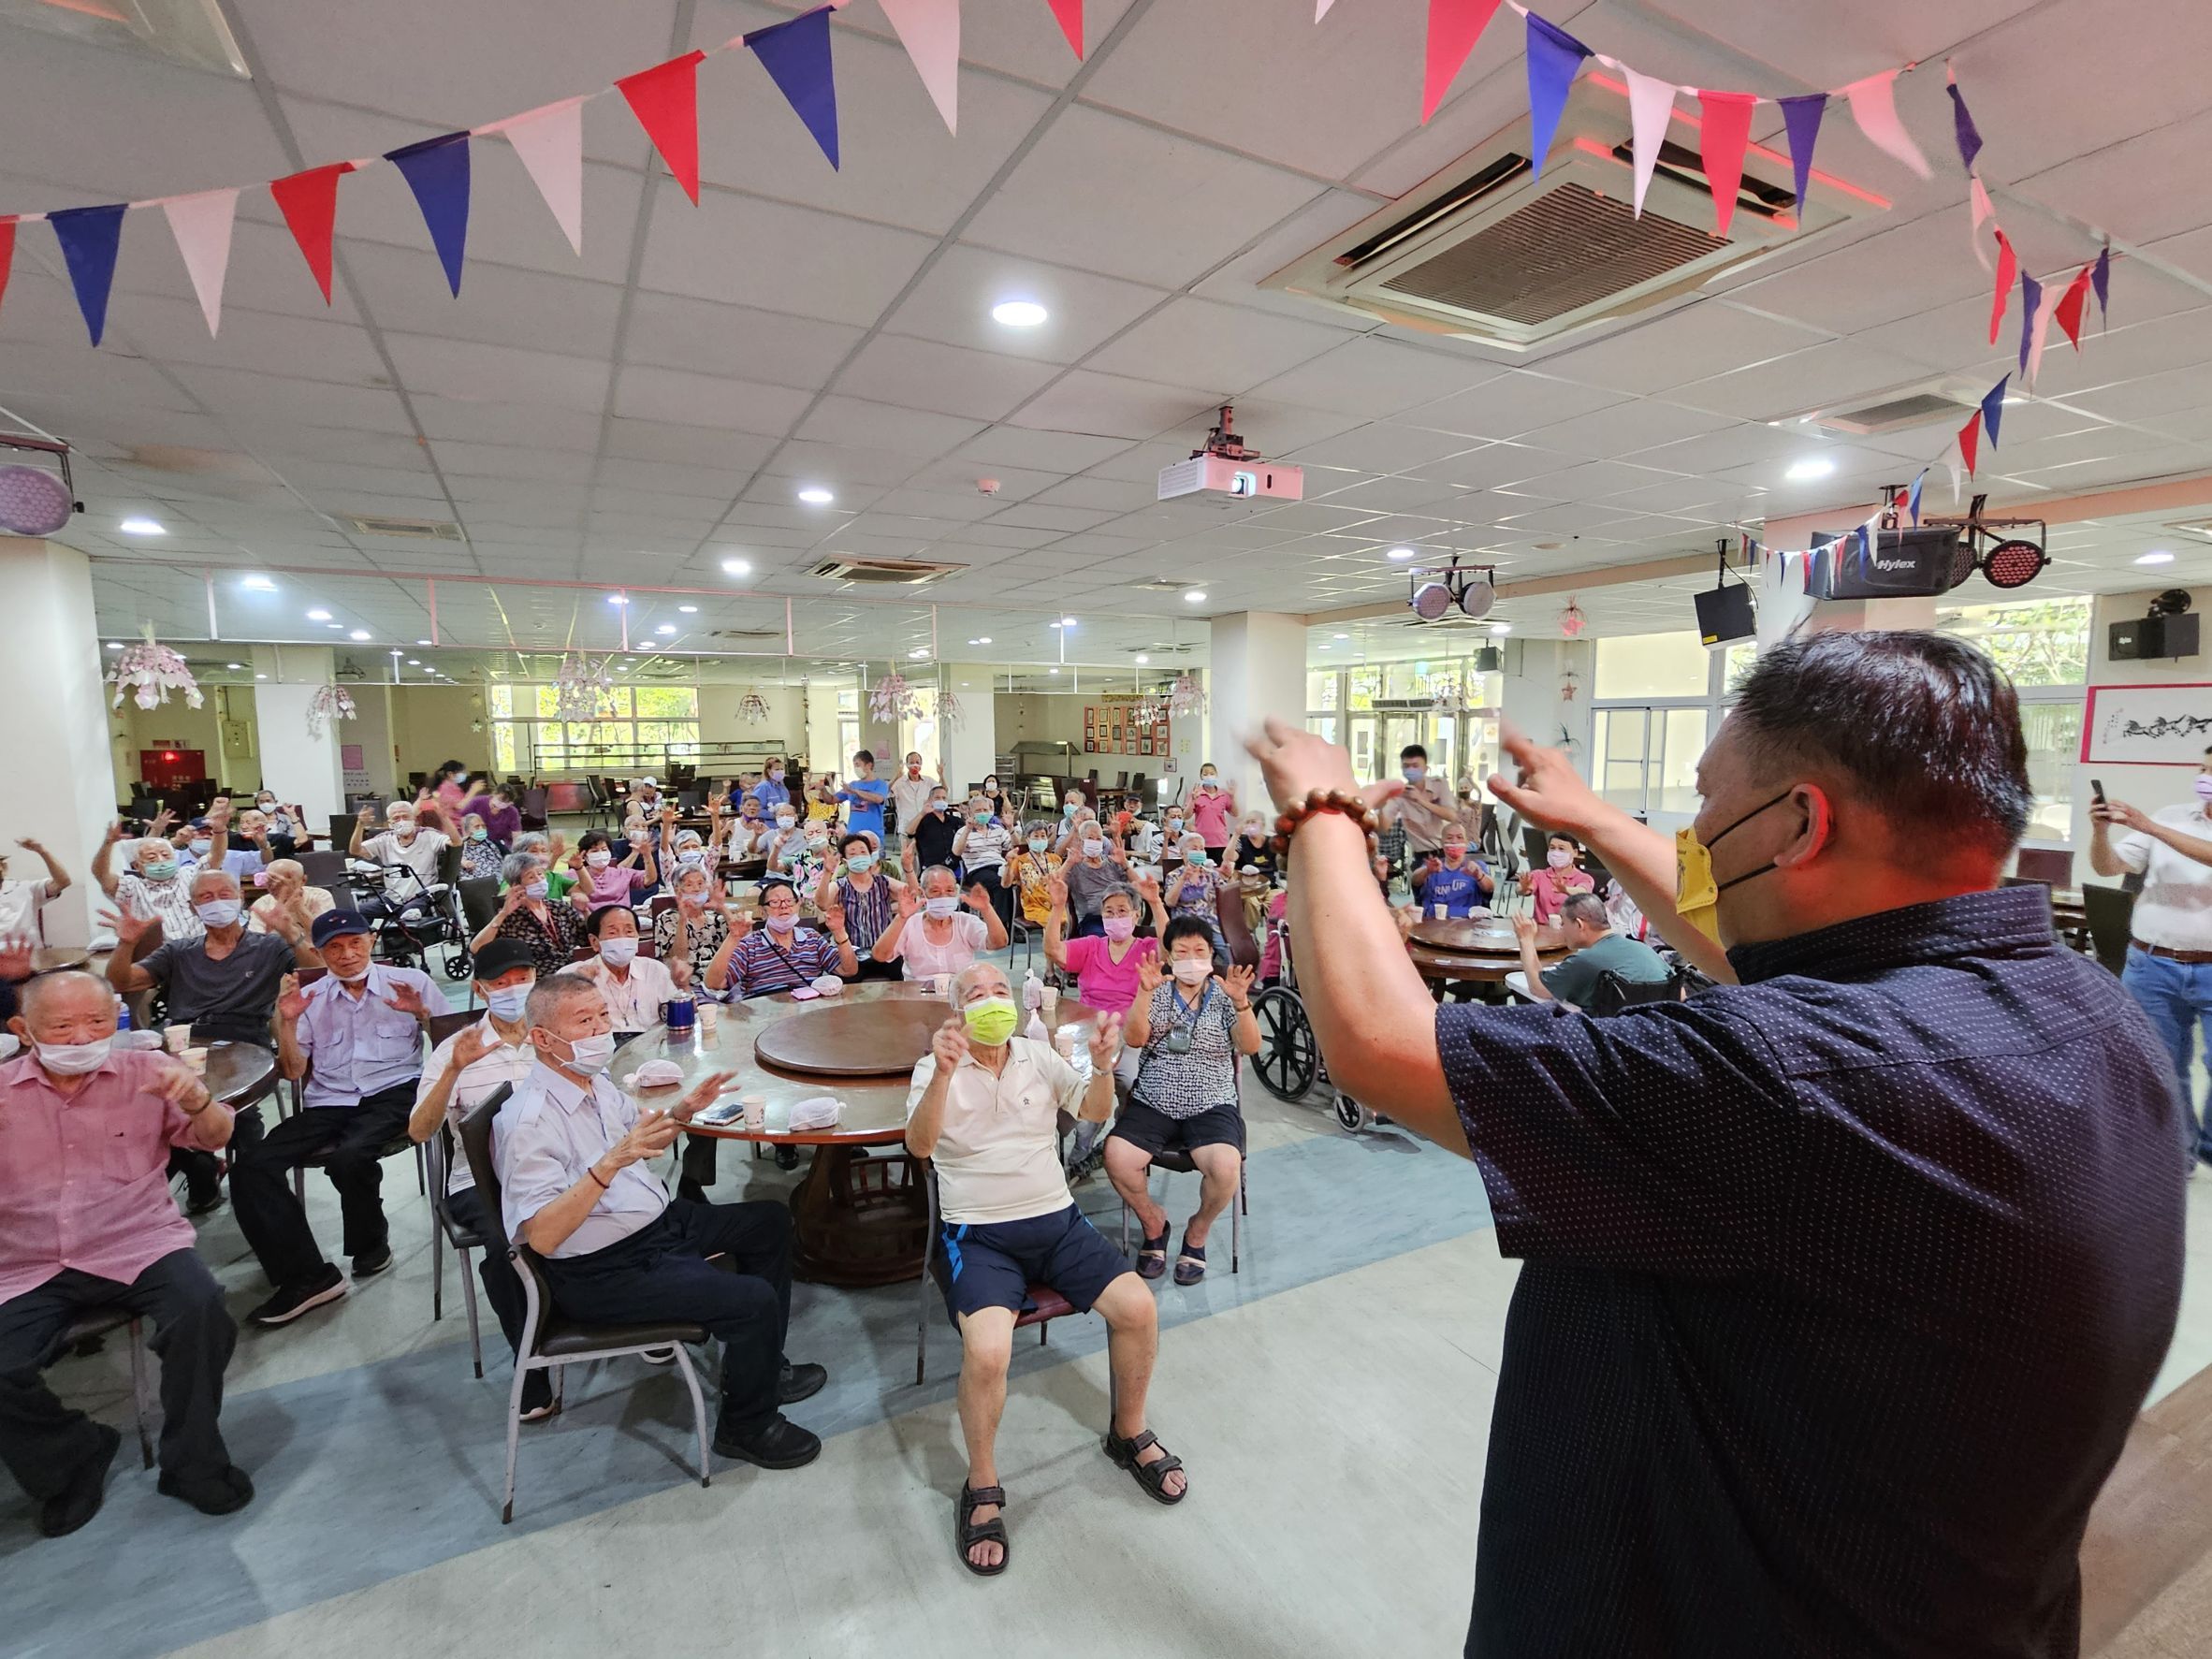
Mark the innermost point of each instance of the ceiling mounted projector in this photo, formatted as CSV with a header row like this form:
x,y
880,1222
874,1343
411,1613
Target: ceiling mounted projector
x,y
33,500
1227,473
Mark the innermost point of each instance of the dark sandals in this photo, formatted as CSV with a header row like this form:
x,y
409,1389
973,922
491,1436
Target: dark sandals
x,y
1190,1261
968,1533
1151,1260
1152,1477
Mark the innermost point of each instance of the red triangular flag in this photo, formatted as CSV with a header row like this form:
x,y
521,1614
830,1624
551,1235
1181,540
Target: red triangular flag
x,y
310,205
2069,312
1970,437
665,100
1454,27
1069,12
6,250
1726,118
2008,269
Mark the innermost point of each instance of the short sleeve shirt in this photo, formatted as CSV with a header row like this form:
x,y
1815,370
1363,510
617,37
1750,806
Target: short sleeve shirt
x,y
1456,890
760,966
1186,1084
2175,907
551,942
863,809
1576,979
1103,983
230,1000
924,956
997,1157
985,848
1087,884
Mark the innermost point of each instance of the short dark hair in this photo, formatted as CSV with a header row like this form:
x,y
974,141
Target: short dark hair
x,y
867,842
593,838
1412,751
1570,840
1586,907
861,755
1926,727
1188,926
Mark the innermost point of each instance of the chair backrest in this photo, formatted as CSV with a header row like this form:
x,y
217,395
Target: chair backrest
x,y
309,975
446,1025
322,869
533,804
1534,843
1229,914
565,797
1611,994
2052,866
342,831
480,902
449,866
2110,910
476,1134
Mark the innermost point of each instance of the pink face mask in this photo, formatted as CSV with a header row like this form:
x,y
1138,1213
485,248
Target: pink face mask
x,y
1119,927
1559,858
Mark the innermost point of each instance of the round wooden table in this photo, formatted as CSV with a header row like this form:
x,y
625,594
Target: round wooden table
x,y
857,1220
1477,950
238,1072
54,959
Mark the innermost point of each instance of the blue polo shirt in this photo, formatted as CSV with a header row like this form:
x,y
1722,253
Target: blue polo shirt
x,y
770,794
863,799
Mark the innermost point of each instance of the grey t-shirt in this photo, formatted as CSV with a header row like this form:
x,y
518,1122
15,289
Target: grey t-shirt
x,y
1087,887
232,999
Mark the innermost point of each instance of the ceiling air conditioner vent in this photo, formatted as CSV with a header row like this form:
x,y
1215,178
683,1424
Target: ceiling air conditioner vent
x,y
898,573
748,635
407,529
1489,249
1894,412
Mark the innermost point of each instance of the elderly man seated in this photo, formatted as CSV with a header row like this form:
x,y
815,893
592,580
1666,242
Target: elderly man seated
x,y
87,1130
984,1108
571,1150
223,982
153,886
1597,949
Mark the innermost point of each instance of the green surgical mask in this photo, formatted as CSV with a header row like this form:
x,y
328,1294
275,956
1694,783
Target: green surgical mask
x,y
991,1021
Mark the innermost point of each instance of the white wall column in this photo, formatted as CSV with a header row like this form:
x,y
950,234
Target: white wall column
x,y
57,749
1256,669
302,768
971,746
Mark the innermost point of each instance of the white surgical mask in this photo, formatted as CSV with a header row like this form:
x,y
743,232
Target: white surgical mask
x,y
775,774
1038,843
861,862
690,856
785,820
691,901
940,904
218,912
72,1059
1193,970
1560,857
590,1055
1094,849
537,889
600,859
781,924
506,1001
617,953
201,849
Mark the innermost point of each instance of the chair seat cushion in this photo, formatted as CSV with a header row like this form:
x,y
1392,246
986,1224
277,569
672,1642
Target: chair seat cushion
x,y
1044,1303
1179,1163
568,1336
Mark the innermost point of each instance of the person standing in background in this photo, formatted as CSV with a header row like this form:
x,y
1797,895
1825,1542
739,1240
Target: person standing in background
x,y
2169,970
1423,809
1212,808
910,794
864,797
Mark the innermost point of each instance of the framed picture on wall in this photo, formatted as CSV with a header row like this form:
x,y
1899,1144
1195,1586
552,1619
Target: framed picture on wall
x,y
2162,725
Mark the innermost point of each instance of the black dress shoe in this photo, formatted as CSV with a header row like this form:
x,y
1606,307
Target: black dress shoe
x,y
291,1302
781,1445
219,1493
799,1382
79,1500
201,1203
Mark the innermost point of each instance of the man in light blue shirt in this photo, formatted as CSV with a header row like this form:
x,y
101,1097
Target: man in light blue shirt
x,y
355,1036
864,797
571,1152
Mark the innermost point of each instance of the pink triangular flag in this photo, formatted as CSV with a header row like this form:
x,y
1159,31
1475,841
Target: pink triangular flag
x,y
1322,8
1651,107
1873,106
2039,331
1726,118
930,32
201,225
550,142
1454,27
1070,15
1980,197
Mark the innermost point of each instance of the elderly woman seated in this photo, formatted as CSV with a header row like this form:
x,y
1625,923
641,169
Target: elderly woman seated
x,y
480,854
691,934
550,932
984,1108
931,935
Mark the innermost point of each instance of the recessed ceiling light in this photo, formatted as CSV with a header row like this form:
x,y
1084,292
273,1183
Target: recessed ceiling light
x,y
234,664
261,676
1401,554
359,633
1501,627
1195,596
1142,657
422,642
815,496
665,628
318,616
737,567
1019,314
1340,636
115,644
1325,648
334,624
617,599
415,662
257,584
984,639
689,610
1817,466
2156,559
142,527
918,651
1066,621
1052,671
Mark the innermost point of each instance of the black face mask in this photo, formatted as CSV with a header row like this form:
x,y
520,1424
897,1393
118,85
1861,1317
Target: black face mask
x,y
1769,864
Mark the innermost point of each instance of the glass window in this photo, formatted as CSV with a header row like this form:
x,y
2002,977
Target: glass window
x,y
1367,686
1322,725
2039,641
1684,732
2053,731
638,730
1651,665
1320,688
1736,665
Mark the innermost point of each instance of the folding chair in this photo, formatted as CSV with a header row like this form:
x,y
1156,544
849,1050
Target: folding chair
x,y
445,1229
87,1329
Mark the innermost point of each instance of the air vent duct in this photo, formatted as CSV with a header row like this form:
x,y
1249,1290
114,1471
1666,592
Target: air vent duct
x,y
405,530
1894,411
897,573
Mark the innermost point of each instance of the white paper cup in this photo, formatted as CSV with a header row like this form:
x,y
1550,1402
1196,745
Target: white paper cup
x,y
710,1015
1065,1039
196,1058
941,983
176,1039
756,1107
1443,911
1051,1001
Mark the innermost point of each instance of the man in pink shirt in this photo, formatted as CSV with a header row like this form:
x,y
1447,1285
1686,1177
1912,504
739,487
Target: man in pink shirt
x,y
86,1221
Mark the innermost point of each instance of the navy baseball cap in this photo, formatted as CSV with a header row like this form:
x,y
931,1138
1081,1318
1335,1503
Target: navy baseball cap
x,y
331,923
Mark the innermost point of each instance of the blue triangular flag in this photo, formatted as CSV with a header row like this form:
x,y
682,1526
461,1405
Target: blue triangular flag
x,y
1913,498
1555,59
89,237
2100,277
1801,116
437,170
1992,407
796,55
2030,298
1866,548
1970,139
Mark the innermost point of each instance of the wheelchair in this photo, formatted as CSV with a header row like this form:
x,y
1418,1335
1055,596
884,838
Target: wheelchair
x,y
1288,1062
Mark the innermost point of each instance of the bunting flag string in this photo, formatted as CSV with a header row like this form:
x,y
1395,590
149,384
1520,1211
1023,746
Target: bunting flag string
x,y
2008,266
1651,107
1454,27
2100,279
2070,306
1800,120
1069,15
1978,196
1555,57
1993,407
2040,332
308,202
437,170
1969,436
796,55
550,143
1913,496
89,239
665,100
201,225
1725,123
2030,305
930,32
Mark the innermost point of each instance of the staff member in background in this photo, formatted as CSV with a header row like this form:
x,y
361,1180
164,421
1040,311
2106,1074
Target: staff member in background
x,y
910,794
770,790
1561,876
864,797
2169,967
1211,808
1841,1284
1451,878
1422,808
21,901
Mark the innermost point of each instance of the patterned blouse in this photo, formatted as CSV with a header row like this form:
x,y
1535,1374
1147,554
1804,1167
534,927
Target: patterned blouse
x,y
1204,1076
867,914
703,939
551,942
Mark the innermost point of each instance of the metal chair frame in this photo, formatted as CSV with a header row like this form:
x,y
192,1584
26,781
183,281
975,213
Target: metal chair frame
x,y
93,1323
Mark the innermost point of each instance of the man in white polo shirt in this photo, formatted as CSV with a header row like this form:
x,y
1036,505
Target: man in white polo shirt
x,y
2170,956
984,1109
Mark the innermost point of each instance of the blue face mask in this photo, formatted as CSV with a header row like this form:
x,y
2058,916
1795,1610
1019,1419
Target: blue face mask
x,y
164,871
1195,860
201,849
506,1001
861,862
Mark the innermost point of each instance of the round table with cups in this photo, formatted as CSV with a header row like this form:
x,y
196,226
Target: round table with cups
x,y
859,1214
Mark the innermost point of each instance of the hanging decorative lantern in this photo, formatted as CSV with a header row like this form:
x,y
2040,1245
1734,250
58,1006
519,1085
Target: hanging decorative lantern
x,y
329,702
150,672
582,687
892,699
949,712
1183,696
1572,621
753,708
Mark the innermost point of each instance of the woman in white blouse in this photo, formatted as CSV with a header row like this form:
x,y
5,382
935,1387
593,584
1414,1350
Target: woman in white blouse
x,y
634,986
932,935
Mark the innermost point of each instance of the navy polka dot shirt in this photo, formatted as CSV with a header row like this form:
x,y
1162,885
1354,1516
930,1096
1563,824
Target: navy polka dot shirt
x,y
1840,1289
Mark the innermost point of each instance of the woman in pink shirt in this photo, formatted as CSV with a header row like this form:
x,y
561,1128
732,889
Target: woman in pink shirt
x,y
1559,877
1105,969
600,881
1212,808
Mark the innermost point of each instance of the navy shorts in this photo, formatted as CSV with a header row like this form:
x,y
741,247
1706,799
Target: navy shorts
x,y
1156,1132
985,1264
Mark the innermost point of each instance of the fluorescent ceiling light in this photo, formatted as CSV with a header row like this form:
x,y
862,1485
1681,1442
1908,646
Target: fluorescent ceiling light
x,y
689,610
115,644
617,599
257,584
142,527
338,625
1401,554
2156,559
261,676
1066,621
1195,596
234,664
815,496
422,642
1340,636
1817,466
918,651
359,633
1142,657
1019,314
318,616
1501,627
1052,671
415,662
737,567
984,639
665,628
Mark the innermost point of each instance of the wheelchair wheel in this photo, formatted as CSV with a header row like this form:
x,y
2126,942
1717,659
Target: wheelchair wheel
x,y
1288,1058
458,964
1352,1115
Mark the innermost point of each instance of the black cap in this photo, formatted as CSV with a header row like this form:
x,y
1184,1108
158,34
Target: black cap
x,y
503,956
331,923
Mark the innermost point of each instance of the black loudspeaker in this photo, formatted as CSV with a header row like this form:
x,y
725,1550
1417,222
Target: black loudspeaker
x,y
2145,637
1489,660
1725,614
1888,564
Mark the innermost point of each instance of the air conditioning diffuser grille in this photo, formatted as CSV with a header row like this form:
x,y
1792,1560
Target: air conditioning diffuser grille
x,y
1570,248
896,572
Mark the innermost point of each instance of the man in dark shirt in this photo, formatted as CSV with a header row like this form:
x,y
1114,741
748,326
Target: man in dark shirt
x,y
1845,1279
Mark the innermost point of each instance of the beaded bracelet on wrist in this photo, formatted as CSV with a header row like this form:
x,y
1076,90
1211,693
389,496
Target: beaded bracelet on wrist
x,y
1348,803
